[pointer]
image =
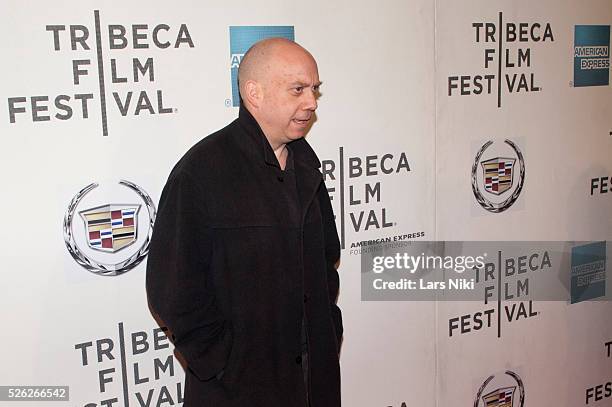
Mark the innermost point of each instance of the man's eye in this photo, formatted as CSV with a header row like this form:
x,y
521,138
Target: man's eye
x,y
299,89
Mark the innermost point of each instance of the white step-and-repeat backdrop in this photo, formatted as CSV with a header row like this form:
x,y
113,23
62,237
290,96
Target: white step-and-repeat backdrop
x,y
438,120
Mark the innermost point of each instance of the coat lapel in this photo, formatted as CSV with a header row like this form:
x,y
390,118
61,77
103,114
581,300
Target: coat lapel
x,y
307,174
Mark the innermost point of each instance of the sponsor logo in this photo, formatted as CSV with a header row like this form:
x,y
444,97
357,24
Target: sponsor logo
x,y
109,228
241,39
129,368
497,178
508,59
505,390
131,91
591,55
588,272
356,188
497,174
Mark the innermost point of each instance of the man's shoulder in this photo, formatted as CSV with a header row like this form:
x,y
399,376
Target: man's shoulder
x,y
208,154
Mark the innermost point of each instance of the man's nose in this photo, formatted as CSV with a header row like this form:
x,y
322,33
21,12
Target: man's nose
x,y
311,101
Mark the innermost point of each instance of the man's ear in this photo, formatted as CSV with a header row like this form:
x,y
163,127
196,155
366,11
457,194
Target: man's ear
x,y
253,93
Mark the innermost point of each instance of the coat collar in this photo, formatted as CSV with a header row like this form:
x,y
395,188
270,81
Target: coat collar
x,y
306,163
300,148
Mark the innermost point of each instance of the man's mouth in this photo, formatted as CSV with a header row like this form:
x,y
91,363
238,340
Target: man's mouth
x,y
301,122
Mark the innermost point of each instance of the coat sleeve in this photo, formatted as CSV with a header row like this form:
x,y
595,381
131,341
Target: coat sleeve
x,y
178,283
332,256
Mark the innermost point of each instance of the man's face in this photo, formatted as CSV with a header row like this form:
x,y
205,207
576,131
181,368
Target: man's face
x,y
290,93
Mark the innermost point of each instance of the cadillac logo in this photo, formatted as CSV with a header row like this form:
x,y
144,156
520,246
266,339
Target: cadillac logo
x,y
109,228
500,397
509,391
498,179
498,174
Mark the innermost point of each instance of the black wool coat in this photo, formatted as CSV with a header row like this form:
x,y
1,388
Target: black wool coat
x,y
232,275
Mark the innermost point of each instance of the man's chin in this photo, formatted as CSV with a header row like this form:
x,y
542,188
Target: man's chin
x,y
296,135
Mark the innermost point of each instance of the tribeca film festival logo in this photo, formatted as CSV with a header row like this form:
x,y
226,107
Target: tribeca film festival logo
x,y
77,103
591,55
129,369
507,279
603,391
241,39
508,69
495,189
360,206
108,229
508,391
601,185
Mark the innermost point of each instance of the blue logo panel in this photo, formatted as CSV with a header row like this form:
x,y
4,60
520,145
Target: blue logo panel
x,y
242,38
591,55
588,274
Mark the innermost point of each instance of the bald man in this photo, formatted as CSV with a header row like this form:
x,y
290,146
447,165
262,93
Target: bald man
x,y
242,262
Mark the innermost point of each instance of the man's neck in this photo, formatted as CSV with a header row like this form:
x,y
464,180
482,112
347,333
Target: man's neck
x,y
281,154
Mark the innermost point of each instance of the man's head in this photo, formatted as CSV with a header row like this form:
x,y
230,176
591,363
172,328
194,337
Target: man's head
x,y
279,85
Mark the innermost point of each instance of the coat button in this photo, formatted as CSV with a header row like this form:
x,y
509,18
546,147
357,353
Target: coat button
x,y
305,298
298,360
280,179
